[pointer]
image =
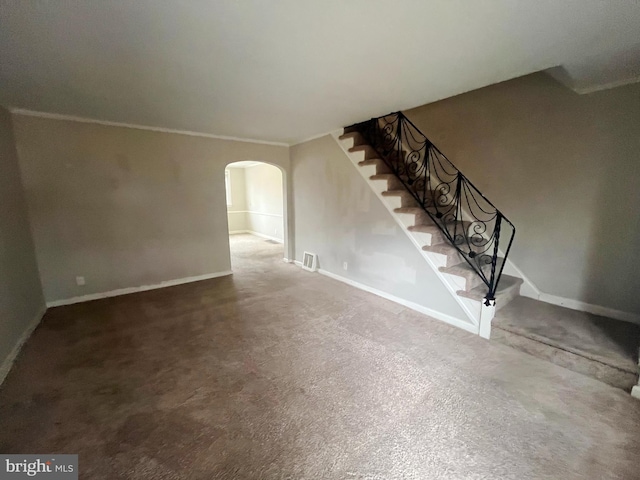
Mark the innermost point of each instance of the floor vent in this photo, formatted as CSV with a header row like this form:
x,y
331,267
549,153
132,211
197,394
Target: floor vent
x,y
310,261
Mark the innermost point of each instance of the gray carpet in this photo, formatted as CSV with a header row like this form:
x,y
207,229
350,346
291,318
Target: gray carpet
x,y
278,373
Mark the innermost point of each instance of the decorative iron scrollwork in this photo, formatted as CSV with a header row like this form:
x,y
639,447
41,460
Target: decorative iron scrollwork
x,y
470,222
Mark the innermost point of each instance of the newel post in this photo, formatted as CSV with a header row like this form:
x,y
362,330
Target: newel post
x,y
487,312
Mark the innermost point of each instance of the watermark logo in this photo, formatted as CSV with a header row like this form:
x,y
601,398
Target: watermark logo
x,y
49,467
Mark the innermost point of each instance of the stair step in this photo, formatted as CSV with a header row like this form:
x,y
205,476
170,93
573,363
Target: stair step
x,y
420,216
508,289
466,271
406,198
451,252
392,181
381,167
368,150
410,210
357,138
436,234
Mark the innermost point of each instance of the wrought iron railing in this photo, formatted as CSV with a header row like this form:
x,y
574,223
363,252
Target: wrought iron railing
x,y
470,222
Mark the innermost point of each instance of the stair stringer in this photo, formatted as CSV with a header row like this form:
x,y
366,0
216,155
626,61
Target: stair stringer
x,y
472,308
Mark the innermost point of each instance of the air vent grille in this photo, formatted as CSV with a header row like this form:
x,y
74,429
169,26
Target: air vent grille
x,y
310,261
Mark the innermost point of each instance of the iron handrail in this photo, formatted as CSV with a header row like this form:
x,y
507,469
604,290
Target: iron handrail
x,y
467,219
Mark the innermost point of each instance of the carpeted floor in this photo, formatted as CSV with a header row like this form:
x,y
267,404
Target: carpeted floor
x,y
277,373
600,347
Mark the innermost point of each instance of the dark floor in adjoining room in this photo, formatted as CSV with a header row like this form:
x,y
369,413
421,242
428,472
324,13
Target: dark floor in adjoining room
x,y
276,373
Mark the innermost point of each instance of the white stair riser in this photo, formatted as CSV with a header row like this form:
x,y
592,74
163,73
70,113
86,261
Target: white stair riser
x,y
422,238
370,170
393,202
348,143
438,259
459,282
357,156
407,219
390,184
378,186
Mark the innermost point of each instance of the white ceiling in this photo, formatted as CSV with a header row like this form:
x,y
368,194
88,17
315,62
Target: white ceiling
x,y
285,70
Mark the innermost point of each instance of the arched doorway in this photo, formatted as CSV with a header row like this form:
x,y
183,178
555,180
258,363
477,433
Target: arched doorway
x,y
255,213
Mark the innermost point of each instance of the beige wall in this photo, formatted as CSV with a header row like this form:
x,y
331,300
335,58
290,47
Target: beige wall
x,y
21,300
237,211
338,216
264,200
126,207
565,169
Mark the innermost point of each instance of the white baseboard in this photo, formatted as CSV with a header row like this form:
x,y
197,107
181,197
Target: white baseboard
x,y
268,237
126,291
456,322
7,363
530,290
590,308
261,235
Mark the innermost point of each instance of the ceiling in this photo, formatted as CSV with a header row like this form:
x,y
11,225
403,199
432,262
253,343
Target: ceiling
x,y
286,70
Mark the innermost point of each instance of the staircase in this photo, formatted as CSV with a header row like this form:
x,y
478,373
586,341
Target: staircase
x,y
458,231
466,240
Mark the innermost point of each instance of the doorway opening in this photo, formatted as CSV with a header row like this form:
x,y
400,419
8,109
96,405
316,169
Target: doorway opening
x,y
255,214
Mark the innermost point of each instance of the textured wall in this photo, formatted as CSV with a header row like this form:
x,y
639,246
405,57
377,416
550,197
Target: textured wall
x,y
338,216
21,299
565,169
264,200
126,207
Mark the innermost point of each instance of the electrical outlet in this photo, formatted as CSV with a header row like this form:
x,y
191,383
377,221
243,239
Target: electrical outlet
x,y
80,281
345,265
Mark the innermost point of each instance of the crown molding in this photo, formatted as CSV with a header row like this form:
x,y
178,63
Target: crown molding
x,y
108,123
